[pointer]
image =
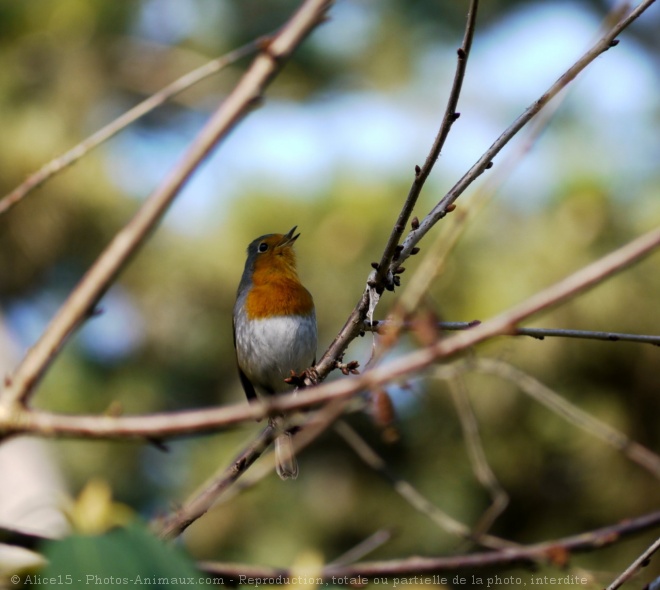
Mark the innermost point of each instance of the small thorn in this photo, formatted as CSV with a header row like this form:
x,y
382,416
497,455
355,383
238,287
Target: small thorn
x,y
414,251
414,223
614,42
375,265
418,171
489,165
455,116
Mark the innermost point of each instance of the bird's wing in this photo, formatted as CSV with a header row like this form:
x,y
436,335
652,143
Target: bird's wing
x,y
250,393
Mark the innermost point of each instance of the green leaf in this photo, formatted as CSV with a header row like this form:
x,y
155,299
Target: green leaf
x,y
122,558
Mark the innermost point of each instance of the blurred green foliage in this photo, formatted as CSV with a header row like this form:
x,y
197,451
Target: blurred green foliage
x,y
68,67
122,558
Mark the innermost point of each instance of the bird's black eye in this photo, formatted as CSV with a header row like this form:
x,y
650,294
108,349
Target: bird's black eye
x,y
263,247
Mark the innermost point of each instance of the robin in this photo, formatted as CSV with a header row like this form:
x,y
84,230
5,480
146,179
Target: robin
x,y
274,328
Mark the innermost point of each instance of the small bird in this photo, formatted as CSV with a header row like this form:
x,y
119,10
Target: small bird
x,y
274,328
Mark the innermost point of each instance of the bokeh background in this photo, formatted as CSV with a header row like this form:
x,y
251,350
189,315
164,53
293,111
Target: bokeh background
x,y
332,150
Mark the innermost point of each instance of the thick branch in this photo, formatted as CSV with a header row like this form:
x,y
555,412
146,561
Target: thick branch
x,y
126,243
20,420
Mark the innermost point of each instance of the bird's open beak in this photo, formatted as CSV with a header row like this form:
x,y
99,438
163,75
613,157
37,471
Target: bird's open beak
x,y
288,238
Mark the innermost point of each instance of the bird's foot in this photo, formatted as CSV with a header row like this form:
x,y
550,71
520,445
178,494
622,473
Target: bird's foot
x,y
304,379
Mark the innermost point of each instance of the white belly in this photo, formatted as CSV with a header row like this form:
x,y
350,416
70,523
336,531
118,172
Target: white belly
x,y
269,349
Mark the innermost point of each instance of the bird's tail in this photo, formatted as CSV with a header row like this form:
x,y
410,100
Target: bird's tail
x,y
285,459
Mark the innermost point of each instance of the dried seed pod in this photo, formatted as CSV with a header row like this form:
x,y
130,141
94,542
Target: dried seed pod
x,y
384,415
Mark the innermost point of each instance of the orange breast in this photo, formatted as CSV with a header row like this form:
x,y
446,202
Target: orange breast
x,y
277,298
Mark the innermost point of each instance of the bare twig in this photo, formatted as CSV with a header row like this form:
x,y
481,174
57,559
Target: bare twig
x,y
379,277
173,525
541,333
436,255
584,420
126,243
607,41
450,116
368,545
635,566
419,566
538,333
353,325
204,499
480,466
407,491
146,106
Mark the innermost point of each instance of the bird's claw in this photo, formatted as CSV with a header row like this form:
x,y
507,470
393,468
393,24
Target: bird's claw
x,y
307,377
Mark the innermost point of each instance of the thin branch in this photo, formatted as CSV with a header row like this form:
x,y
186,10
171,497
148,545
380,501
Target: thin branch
x,y
204,499
126,243
378,278
173,525
435,256
353,325
408,492
541,333
607,41
480,466
364,547
383,326
419,566
635,566
576,416
111,129
450,116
